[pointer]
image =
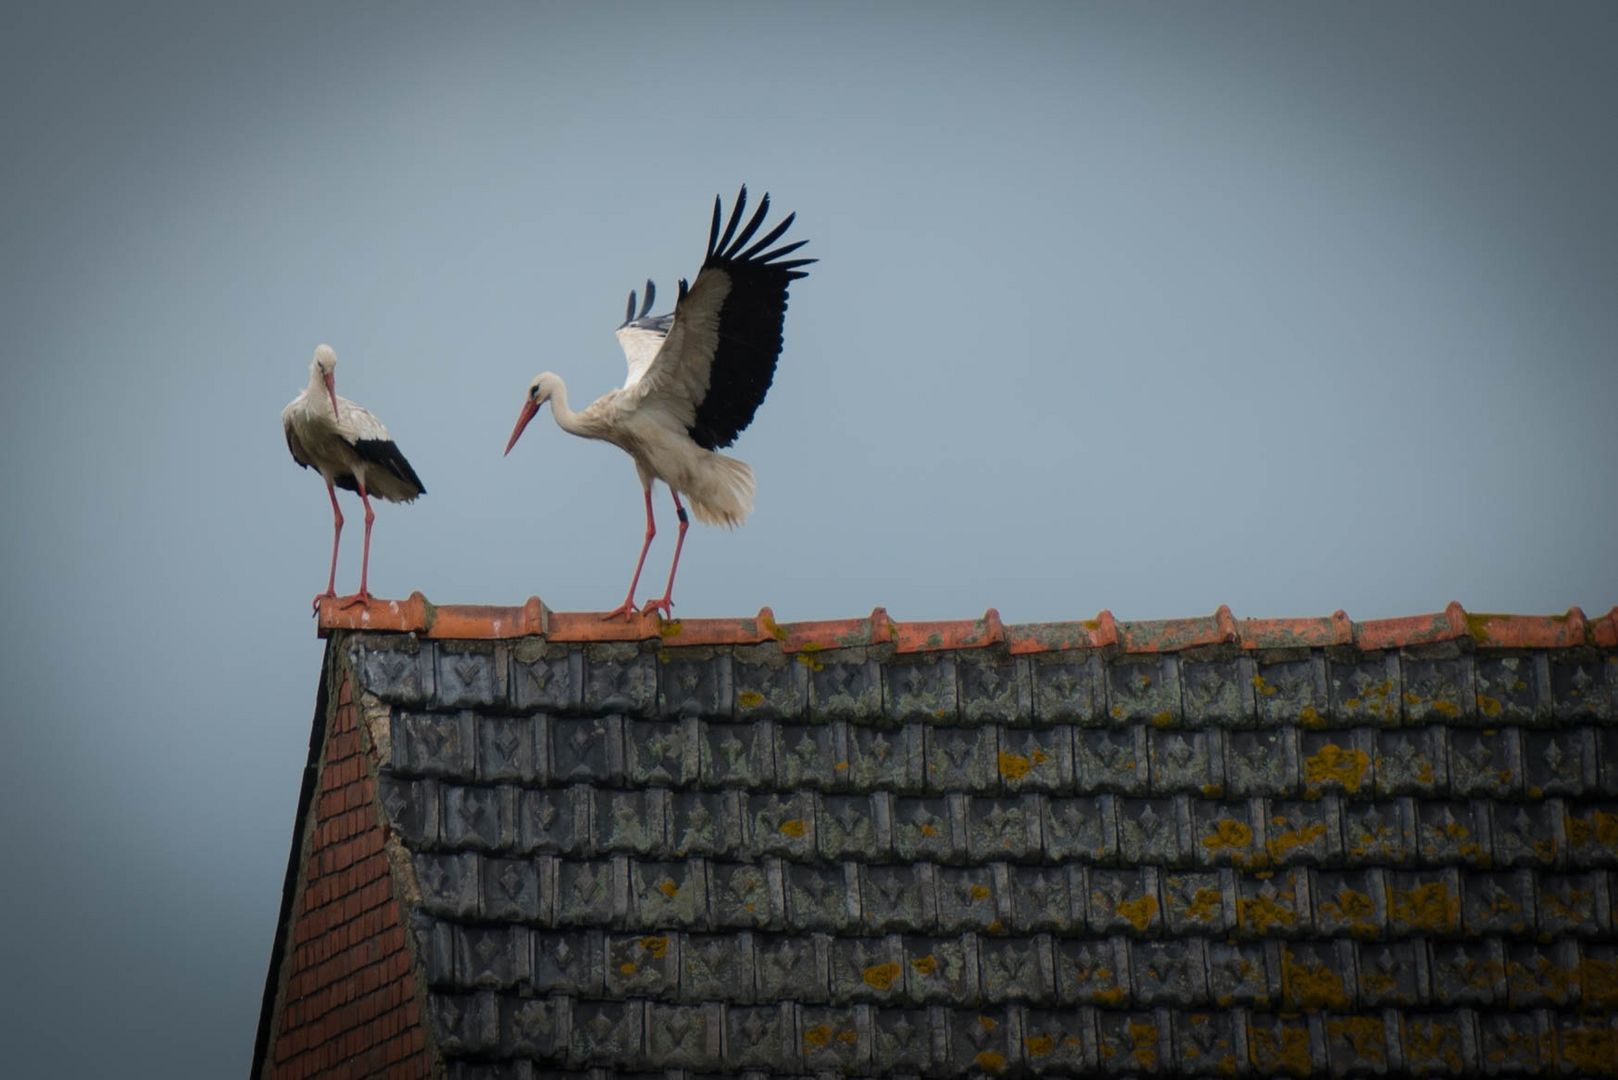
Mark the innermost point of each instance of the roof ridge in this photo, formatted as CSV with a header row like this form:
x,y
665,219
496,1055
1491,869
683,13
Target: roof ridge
x,y
418,615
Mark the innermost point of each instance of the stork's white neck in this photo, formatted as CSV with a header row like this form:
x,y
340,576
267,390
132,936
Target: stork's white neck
x,y
566,419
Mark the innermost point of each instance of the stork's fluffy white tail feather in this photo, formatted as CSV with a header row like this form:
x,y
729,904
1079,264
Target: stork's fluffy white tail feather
x,y
723,490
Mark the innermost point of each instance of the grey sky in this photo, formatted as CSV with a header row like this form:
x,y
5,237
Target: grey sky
x,y
1153,308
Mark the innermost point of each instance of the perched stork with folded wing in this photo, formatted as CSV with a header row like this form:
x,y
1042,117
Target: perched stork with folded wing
x,y
352,450
696,377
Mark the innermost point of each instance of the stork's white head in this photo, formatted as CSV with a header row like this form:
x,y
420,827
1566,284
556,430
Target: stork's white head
x,y
324,368
539,392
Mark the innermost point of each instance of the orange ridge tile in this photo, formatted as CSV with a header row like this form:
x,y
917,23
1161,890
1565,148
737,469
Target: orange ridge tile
x,y
1446,625
416,614
1335,629
1172,635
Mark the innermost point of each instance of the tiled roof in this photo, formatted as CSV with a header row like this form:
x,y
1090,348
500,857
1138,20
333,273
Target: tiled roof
x,y
876,848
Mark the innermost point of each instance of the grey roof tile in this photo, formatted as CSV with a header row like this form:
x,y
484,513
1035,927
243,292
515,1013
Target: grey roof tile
x,y
921,688
1262,762
547,677
591,893
1189,761
822,897
1575,905
705,823
793,967
1144,689
1339,761
432,744
812,755
1068,689
1581,684
1454,831
1060,1041
762,1036
1440,1043
397,668
769,684
1360,1044
491,957
465,1023
1467,972
1207,1043
484,818
1124,900
737,755
717,967
554,820
1038,759
1228,833
993,688
746,896
1284,1045
1017,969
1150,833
412,807
1418,761
1003,828
1292,691
1392,974
1542,974
1509,1043
1437,688
608,1032
901,897
1379,833
1274,905
986,1041
1424,901
1350,903
926,828
668,894
886,760
1111,760
943,970
449,883
834,1038
776,824
1559,762
854,826
1169,972
1041,900
510,891
588,750
1243,972
1318,974
845,685
1512,689
1591,833
630,821
867,969
1134,1043
1526,834
695,682
619,678
1199,902
1365,688
1080,829
685,1036
962,758
1485,762
967,898
1498,903
570,962
662,753
642,965
471,674
901,1040
1219,692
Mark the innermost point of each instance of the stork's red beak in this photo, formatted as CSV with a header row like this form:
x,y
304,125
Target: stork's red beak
x,y
331,390
529,408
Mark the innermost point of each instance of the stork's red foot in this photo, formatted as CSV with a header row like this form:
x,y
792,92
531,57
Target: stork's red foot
x,y
663,607
626,609
315,606
361,597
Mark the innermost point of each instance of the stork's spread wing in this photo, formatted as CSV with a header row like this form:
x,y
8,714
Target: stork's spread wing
x,y
717,356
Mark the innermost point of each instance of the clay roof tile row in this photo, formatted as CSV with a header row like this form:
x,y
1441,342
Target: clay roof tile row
x,y
482,622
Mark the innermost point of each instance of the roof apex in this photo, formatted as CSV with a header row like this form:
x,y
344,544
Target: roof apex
x,y
416,614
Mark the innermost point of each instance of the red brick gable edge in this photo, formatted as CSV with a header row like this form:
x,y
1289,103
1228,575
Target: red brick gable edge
x,y
343,997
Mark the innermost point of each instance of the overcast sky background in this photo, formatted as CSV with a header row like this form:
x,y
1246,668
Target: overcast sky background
x,y
1148,308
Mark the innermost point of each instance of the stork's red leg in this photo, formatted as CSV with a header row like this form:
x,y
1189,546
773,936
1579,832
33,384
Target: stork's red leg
x,y
627,608
336,537
365,559
666,605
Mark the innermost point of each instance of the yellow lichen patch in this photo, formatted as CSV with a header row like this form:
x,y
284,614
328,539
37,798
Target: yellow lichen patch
x,y
1489,706
1365,1035
1309,716
1039,1045
925,965
1286,1052
979,892
1334,764
1590,1049
989,1061
1311,986
669,629
1039,757
1426,907
750,699
656,947
1351,908
1013,766
1427,1041
1163,719
668,888
1143,1045
1261,913
1139,911
626,968
996,927
881,976
808,659
1263,687
1228,835
1283,842
848,1036
1205,905
928,829
818,1036
1447,708
793,827
1596,827
987,1023
1600,979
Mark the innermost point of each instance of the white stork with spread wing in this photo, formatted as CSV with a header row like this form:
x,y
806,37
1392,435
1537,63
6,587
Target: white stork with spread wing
x,y
696,377
351,449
